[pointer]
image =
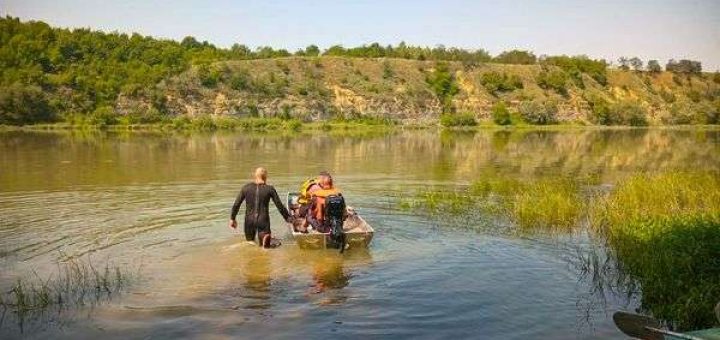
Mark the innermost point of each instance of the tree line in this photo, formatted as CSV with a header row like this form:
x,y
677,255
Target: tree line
x,y
50,73
684,66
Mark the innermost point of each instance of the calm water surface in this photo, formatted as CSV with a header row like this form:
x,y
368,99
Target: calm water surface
x,y
158,205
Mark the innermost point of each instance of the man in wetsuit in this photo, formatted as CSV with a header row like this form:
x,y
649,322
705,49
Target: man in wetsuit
x,y
257,195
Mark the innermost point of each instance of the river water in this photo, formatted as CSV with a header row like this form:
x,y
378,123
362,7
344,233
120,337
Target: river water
x,y
157,205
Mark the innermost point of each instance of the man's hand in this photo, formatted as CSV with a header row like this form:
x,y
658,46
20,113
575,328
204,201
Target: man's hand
x,y
233,224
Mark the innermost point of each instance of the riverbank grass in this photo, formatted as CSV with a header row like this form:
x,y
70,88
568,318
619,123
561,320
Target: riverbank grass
x,y
664,231
215,123
546,204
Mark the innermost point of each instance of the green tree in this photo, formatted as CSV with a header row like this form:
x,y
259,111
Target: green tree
x,y
496,82
653,66
516,57
442,82
553,80
576,66
621,113
20,104
538,112
501,114
624,63
684,66
312,51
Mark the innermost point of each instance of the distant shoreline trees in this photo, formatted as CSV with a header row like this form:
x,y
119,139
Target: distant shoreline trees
x,y
684,66
58,73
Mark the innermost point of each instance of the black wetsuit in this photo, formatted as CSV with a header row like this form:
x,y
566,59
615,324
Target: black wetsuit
x,y
257,217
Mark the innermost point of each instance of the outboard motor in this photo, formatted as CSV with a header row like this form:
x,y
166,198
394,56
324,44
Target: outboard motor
x,y
334,215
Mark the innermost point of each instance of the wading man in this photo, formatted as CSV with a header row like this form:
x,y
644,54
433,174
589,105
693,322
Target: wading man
x,y
256,196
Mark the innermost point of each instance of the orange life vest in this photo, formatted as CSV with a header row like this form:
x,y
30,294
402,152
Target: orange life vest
x,y
320,196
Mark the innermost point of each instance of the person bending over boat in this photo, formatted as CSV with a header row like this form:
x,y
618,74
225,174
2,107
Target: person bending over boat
x,y
257,195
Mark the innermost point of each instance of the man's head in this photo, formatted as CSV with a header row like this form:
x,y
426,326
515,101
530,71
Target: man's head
x,y
261,175
325,179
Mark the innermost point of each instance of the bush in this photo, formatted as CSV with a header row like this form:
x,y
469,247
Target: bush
x,y
653,66
293,125
241,81
712,115
501,114
538,112
181,122
20,104
577,65
102,116
442,83
599,107
622,113
203,123
209,77
681,113
632,113
553,80
667,96
461,119
149,116
388,72
516,57
496,82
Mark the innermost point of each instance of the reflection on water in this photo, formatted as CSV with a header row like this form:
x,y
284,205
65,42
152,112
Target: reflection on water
x,y
43,161
329,275
161,202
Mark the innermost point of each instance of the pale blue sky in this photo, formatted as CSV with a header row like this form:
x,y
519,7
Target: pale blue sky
x,y
659,29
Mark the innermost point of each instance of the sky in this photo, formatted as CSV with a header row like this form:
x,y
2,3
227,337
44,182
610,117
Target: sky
x,y
649,29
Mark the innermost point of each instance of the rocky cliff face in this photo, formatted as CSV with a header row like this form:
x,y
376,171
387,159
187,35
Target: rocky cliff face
x,y
325,87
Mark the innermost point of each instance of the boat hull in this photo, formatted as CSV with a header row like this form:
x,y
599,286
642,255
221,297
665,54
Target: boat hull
x,y
358,234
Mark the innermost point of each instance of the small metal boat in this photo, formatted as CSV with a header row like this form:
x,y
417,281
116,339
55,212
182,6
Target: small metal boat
x,y
358,233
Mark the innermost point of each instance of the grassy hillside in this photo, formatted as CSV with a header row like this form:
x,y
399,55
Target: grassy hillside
x,y
341,87
89,77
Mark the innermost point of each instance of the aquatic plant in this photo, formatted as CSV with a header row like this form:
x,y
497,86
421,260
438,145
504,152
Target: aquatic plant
x,y
77,283
651,196
660,231
663,231
547,204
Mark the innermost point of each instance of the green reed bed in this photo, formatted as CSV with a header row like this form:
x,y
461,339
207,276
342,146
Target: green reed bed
x,y
664,231
551,204
661,232
77,283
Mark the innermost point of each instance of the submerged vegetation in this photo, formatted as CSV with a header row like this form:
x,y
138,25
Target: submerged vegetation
x,y
662,231
77,283
551,204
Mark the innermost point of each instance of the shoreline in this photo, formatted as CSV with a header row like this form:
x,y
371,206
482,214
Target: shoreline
x,y
292,125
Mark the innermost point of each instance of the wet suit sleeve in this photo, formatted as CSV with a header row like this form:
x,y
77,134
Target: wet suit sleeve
x,y
278,203
236,206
